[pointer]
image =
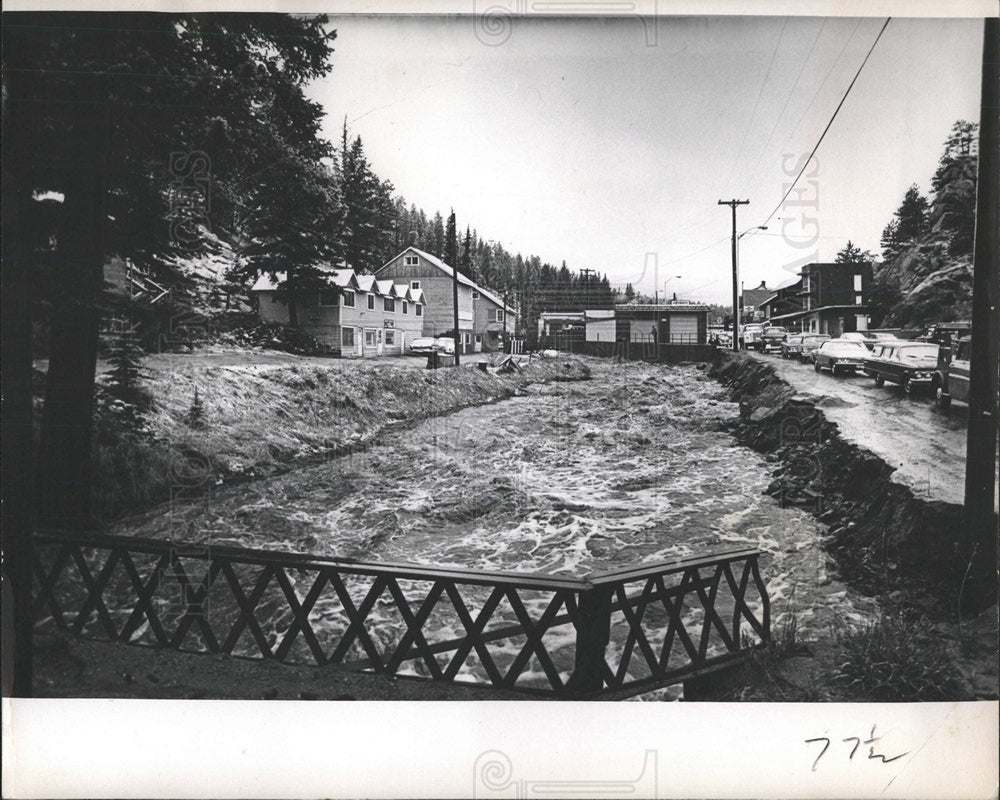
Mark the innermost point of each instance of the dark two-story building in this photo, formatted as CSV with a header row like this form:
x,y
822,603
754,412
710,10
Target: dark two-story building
x,y
828,298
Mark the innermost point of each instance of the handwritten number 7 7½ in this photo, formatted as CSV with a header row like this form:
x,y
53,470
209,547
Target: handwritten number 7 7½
x,y
871,740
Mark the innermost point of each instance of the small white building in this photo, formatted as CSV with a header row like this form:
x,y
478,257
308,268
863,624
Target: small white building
x,y
600,325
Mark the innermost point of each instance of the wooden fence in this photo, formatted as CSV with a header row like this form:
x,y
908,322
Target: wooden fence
x,y
643,349
613,634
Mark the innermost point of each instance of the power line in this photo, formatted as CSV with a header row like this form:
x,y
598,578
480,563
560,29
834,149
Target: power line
x,y
760,93
826,77
827,128
781,114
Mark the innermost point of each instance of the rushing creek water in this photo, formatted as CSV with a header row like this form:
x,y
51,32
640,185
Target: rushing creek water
x,y
631,466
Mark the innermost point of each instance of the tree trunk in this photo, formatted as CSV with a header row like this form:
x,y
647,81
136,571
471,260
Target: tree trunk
x,y
293,306
65,470
16,431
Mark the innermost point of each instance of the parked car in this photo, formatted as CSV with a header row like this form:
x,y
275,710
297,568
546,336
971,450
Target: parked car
x,y
423,345
951,379
840,355
912,364
446,345
810,342
791,346
750,334
772,338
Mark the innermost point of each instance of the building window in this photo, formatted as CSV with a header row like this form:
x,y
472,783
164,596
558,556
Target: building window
x,y
414,284
857,283
371,301
348,299
347,337
390,338
418,310
857,299
405,307
370,337
499,315
410,261
389,304
475,295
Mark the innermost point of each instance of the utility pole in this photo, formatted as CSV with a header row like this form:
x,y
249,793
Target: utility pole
x,y
980,472
736,300
454,298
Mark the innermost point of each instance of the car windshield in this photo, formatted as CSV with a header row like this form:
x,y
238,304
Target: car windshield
x,y
919,351
845,348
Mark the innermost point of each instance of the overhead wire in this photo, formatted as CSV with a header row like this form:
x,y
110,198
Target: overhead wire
x,y
847,92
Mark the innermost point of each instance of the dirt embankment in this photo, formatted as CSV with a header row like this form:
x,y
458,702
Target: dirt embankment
x,y
886,541
213,424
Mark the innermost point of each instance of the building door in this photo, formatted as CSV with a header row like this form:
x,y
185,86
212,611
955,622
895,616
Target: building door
x,y
359,341
683,328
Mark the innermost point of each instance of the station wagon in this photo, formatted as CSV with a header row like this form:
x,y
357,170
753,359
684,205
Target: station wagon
x,y
911,364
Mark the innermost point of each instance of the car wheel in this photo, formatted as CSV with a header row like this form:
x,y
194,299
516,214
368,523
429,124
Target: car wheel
x,y
879,380
834,370
908,386
816,366
942,400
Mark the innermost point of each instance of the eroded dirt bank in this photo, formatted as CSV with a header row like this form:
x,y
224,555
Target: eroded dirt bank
x,y
936,586
884,538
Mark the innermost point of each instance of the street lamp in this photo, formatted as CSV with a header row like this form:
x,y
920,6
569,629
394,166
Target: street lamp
x,y
671,278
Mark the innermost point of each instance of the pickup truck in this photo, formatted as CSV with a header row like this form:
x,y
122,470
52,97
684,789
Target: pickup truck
x,y
951,378
751,334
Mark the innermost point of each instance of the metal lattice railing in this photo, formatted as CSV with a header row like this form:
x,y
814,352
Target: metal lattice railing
x,y
613,633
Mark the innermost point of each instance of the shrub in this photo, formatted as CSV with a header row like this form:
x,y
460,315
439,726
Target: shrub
x,y
195,417
895,659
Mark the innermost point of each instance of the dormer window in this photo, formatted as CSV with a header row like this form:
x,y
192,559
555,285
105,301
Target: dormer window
x,y
414,284
410,261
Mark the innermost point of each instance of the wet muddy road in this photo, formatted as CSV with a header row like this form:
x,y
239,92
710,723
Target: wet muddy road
x,y
924,444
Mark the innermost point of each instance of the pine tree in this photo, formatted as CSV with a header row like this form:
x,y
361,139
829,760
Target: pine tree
x,y
436,236
451,242
911,216
195,417
369,210
126,369
851,254
465,260
110,99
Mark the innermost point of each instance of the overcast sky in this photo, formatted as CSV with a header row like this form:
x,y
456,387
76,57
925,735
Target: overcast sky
x,y
600,141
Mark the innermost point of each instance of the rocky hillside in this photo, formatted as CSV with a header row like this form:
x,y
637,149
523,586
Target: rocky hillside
x,y
929,278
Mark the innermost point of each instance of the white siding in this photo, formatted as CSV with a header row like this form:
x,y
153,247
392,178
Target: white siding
x,y
601,330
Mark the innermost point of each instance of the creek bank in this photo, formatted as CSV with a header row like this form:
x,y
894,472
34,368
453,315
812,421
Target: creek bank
x,y
887,542
258,420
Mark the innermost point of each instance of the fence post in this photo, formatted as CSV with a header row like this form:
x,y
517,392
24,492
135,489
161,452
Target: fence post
x,y
593,631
